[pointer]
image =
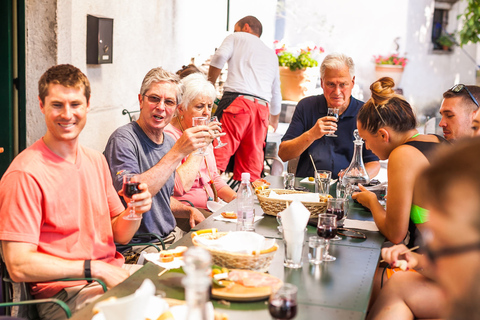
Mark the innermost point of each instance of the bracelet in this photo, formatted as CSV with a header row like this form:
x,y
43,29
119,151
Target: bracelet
x,y
88,270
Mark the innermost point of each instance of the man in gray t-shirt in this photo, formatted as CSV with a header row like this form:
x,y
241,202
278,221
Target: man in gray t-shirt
x,y
142,147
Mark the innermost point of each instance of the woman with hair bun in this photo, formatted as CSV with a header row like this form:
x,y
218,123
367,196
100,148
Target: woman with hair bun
x,y
387,123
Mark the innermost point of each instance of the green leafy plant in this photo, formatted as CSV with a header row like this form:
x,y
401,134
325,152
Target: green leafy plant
x,y
446,40
298,61
471,26
392,59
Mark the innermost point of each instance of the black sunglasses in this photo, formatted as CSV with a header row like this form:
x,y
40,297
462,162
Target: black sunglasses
x,y
459,87
433,255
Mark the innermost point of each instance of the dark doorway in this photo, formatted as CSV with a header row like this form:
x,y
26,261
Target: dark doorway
x,y
12,80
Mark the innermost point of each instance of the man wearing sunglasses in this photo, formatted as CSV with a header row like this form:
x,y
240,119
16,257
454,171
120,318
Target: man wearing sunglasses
x,y
457,111
452,251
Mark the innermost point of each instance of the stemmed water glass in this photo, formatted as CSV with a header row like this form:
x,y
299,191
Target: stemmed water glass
x,y
327,229
199,121
130,187
332,112
219,142
282,303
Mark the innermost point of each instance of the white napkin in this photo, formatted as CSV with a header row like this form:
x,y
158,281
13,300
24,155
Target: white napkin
x,y
239,242
155,258
360,224
302,197
138,306
221,218
294,222
215,206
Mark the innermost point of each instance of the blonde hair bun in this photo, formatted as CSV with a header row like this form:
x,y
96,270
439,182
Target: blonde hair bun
x,y
382,90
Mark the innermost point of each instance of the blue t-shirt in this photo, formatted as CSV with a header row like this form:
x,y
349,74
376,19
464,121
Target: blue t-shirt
x,y
130,149
329,153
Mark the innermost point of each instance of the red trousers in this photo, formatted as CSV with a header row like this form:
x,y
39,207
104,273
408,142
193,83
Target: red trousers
x,y
245,123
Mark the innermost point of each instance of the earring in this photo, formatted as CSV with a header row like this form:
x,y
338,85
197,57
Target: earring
x,y
181,117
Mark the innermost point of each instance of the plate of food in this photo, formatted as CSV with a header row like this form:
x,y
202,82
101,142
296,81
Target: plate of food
x,y
242,285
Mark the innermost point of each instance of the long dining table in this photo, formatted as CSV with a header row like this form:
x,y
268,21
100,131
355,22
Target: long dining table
x,y
334,290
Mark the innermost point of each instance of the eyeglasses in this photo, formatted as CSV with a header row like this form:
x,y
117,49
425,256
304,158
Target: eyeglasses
x,y
459,87
434,255
156,100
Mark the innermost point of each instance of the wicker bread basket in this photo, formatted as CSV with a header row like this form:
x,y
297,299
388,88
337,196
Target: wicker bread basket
x,y
257,261
273,206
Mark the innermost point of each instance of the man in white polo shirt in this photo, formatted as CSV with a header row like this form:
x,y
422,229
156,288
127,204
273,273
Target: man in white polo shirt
x,y
251,94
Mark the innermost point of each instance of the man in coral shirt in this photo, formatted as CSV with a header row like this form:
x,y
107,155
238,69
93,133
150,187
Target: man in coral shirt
x,y
59,210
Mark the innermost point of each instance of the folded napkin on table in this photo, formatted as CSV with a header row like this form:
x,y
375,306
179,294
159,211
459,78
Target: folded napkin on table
x,y
239,242
360,224
302,197
294,221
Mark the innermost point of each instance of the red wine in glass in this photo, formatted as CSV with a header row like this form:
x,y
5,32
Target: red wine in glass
x,y
284,309
131,188
326,232
340,213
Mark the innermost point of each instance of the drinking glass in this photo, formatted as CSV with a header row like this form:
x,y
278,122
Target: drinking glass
x,y
282,303
332,112
130,187
327,229
337,207
199,121
322,182
289,181
219,142
316,249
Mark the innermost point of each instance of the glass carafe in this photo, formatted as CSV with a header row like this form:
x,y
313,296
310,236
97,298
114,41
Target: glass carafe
x,y
356,172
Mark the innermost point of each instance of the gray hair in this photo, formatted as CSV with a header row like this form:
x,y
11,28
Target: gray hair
x,y
196,84
159,74
337,61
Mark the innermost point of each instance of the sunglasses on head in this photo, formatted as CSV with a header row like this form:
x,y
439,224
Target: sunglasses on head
x,y
459,87
434,255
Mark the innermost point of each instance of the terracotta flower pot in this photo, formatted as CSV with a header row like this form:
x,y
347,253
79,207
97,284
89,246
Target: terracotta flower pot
x,y
293,84
387,70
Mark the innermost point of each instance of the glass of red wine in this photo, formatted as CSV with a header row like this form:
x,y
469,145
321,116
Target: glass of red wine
x,y
130,187
327,229
338,207
282,303
332,112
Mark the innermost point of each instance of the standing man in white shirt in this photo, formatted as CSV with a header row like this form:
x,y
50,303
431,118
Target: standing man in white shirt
x,y
251,96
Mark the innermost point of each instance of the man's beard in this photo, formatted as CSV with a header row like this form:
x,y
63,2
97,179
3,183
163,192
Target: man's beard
x,y
467,307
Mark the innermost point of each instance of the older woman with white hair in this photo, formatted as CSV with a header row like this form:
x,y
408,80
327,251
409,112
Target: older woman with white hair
x,y
197,179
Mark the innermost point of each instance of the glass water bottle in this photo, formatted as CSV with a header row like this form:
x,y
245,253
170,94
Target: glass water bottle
x,y
356,172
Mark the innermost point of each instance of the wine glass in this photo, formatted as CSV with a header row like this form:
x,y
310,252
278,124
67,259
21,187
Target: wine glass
x,y
332,112
219,142
282,303
199,121
337,207
131,182
327,229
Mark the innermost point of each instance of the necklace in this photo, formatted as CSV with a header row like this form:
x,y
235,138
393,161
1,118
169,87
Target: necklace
x,y
200,178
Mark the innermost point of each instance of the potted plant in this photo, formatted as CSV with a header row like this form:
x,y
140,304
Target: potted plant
x,y
294,66
446,41
391,65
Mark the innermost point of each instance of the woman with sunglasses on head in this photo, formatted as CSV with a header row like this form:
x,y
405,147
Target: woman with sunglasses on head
x,y
387,123
197,179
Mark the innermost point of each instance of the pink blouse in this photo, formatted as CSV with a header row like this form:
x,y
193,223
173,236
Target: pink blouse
x,y
198,193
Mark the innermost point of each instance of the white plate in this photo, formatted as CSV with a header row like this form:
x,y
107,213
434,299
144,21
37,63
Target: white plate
x,y
215,206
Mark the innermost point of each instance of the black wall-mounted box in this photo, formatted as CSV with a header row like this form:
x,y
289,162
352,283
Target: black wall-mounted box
x,y
99,40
